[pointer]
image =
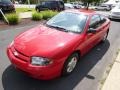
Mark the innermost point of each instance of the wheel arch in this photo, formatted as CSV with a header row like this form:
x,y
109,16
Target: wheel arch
x,y
78,52
74,52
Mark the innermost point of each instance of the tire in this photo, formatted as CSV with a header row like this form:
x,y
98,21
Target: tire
x,y
105,37
109,17
37,10
107,9
70,64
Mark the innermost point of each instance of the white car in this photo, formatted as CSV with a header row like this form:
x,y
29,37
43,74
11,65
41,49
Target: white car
x,y
115,12
103,7
68,6
77,5
16,2
92,7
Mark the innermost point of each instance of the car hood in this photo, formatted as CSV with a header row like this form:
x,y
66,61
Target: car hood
x,y
115,10
43,41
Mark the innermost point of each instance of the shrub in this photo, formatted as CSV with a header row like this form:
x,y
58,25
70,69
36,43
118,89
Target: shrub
x,y
12,18
53,13
48,14
37,16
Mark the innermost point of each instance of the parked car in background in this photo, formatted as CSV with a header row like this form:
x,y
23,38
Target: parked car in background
x,y
54,49
7,6
92,7
115,12
50,5
103,7
68,6
77,5
16,2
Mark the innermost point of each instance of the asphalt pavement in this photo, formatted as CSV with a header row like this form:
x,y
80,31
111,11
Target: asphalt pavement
x,y
86,76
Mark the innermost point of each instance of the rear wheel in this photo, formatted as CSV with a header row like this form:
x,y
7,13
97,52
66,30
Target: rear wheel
x,y
105,37
70,64
37,10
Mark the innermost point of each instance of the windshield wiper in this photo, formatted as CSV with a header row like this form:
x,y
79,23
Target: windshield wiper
x,y
60,28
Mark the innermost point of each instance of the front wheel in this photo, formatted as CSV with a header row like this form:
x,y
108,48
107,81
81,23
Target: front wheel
x,y
70,64
37,10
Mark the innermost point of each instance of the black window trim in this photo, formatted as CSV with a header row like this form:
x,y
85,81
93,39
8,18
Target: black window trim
x,y
102,22
91,19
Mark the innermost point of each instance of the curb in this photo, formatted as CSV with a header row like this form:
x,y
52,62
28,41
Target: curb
x,y
113,80
25,15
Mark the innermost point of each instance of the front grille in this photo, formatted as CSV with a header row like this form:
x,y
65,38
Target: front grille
x,y
20,55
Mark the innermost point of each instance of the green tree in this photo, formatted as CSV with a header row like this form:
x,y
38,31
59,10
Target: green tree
x,y
88,2
65,1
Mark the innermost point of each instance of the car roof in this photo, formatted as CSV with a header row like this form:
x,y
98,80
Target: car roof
x,y
83,11
52,1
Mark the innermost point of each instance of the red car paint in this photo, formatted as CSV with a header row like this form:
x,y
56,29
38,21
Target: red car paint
x,y
53,44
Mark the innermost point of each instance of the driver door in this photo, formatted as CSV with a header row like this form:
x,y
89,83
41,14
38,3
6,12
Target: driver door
x,y
91,39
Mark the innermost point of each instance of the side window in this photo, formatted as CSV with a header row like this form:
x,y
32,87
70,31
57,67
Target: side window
x,y
61,4
95,21
53,4
103,19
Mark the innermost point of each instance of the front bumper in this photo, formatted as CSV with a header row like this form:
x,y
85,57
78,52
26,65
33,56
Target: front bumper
x,y
38,72
114,16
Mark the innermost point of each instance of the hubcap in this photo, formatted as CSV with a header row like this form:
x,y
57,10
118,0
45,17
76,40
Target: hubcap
x,y
72,64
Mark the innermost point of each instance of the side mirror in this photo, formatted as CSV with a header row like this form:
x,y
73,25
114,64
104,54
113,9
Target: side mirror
x,y
91,30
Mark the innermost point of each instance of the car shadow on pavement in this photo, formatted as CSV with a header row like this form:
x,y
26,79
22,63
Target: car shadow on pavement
x,y
115,20
13,79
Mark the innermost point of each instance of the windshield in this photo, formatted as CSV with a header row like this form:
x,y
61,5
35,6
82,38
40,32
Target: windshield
x,y
47,3
69,21
6,1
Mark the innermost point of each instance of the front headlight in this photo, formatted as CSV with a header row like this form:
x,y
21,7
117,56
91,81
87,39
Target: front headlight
x,y
40,61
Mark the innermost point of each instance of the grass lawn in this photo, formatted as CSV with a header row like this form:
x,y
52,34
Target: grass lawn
x,y
19,10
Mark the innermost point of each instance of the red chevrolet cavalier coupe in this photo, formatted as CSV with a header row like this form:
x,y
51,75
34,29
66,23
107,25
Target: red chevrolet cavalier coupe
x,y
53,49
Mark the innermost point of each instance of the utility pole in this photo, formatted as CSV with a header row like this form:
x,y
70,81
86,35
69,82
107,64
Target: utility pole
x,y
4,16
29,4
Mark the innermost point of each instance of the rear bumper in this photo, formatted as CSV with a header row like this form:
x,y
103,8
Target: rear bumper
x,y
38,72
